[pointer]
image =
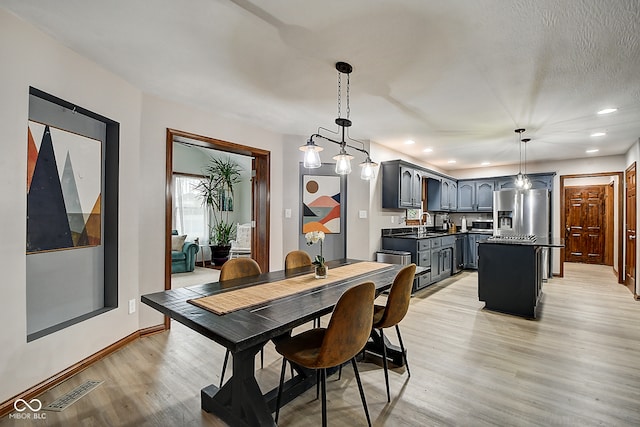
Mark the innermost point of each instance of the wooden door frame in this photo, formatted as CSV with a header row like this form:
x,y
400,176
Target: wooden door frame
x,y
632,166
260,193
563,219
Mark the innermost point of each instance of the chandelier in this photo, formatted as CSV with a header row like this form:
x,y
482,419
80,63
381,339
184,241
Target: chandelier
x,y
343,158
522,180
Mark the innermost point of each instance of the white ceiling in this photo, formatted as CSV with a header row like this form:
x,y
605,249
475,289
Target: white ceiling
x,y
457,76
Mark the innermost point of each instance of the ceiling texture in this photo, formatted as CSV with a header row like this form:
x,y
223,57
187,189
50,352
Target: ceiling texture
x,y
456,76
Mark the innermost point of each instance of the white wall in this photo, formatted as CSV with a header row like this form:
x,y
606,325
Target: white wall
x,y
31,58
157,116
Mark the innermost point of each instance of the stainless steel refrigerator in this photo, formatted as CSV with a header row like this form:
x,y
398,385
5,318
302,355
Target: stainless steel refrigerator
x,y
523,213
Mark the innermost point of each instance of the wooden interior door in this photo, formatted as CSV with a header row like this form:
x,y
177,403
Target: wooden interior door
x,y
630,257
609,226
584,228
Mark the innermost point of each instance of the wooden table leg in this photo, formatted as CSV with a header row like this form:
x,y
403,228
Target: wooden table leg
x,y
239,402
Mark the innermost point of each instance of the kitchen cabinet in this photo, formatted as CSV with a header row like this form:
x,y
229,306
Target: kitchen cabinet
x,y
539,180
441,257
420,250
471,250
510,278
442,194
475,195
401,185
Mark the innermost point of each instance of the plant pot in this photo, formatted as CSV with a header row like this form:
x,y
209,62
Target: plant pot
x,y
321,272
220,254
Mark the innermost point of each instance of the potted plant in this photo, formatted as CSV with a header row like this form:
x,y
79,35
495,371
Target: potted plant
x,y
320,267
216,191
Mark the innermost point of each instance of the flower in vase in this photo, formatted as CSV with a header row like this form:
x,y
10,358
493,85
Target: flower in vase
x,y
315,237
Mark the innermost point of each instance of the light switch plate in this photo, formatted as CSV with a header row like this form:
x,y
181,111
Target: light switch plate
x,y
287,213
362,214
132,306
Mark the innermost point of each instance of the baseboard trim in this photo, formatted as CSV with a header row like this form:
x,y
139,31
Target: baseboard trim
x,y
7,406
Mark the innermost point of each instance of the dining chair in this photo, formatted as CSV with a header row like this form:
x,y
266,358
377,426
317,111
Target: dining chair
x,y
297,259
238,268
390,314
323,348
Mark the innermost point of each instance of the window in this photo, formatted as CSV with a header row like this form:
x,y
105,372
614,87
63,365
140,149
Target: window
x,y
189,213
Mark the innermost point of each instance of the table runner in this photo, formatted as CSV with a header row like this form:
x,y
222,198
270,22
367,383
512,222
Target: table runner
x,y
238,299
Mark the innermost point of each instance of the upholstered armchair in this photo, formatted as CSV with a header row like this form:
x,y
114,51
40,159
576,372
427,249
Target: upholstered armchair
x,y
183,253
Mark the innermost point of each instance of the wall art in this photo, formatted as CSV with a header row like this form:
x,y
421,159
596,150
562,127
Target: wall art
x,y
64,188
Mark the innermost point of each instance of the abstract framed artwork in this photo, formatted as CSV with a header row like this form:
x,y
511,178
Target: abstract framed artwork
x,y
64,189
321,204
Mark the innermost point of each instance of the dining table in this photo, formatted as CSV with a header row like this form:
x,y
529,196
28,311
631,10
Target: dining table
x,y
244,314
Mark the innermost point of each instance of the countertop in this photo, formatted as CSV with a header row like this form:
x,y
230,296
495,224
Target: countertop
x,y
553,242
431,234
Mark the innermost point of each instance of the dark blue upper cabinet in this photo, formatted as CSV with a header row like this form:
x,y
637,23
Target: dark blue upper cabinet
x,y
401,185
475,195
402,188
442,194
538,180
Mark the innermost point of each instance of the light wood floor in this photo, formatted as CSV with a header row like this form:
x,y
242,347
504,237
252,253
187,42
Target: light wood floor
x,y
578,365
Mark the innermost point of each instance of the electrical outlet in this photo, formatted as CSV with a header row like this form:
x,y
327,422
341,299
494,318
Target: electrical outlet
x,y
362,214
287,213
132,306
393,219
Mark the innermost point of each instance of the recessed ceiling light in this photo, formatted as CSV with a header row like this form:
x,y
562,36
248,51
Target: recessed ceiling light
x,y
607,110
598,134
451,161
409,141
593,150
485,163
427,150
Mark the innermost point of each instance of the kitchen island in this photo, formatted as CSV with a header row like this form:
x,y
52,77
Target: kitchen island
x,y
510,275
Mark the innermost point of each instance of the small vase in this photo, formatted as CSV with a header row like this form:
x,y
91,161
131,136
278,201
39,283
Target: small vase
x,y
321,272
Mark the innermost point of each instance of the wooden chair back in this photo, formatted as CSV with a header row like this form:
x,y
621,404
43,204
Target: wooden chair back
x,y
399,298
239,267
349,327
296,259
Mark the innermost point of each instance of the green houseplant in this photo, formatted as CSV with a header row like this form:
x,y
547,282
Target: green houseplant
x,y
216,190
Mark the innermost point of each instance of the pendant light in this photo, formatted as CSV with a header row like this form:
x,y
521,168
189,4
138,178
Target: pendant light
x,y
527,183
520,177
343,159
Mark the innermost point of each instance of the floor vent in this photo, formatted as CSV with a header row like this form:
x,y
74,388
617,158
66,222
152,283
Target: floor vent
x,y
73,396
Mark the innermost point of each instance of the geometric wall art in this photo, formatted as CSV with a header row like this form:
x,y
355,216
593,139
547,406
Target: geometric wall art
x,y
64,186
321,204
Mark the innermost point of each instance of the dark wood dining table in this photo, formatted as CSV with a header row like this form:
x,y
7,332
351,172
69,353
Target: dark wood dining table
x,y
245,331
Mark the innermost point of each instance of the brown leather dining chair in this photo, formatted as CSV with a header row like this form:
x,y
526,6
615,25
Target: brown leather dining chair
x,y
390,314
238,268
322,348
296,259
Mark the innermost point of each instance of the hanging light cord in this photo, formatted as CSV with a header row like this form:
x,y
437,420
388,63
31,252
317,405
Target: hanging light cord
x,y
343,129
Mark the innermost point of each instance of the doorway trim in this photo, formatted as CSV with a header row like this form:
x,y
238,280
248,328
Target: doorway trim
x,y
260,194
563,219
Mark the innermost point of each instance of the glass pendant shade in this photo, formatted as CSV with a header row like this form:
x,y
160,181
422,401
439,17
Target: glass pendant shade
x,y
519,180
343,163
368,171
311,155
